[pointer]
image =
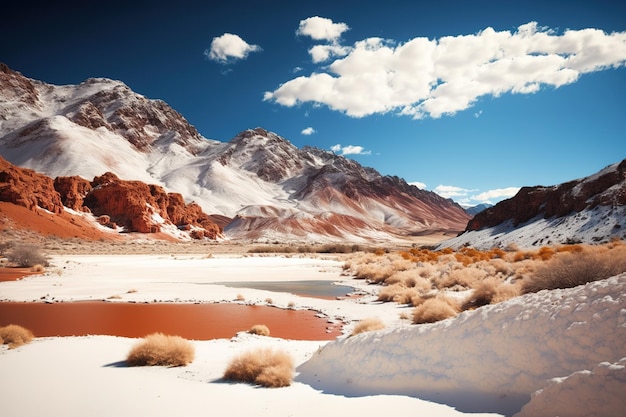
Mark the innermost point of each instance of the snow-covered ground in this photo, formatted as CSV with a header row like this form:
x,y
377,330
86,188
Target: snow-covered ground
x,y
488,361
600,224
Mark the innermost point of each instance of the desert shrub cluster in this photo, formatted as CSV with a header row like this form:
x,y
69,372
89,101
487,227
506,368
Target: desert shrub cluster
x,y
576,268
439,284
15,336
26,255
368,325
158,349
263,366
259,329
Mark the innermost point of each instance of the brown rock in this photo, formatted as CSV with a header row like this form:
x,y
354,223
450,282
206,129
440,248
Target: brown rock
x,y
606,188
27,188
73,191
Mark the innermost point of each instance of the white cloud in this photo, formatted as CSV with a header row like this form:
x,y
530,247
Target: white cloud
x,y
465,196
230,47
308,131
418,184
497,194
349,150
321,28
321,53
451,191
430,78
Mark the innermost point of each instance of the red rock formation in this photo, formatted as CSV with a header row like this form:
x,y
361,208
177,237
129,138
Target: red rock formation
x,y
73,191
144,208
137,206
608,187
27,188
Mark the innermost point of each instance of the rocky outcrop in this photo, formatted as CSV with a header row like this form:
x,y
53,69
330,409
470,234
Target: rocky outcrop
x,y
27,188
145,208
73,191
136,206
608,187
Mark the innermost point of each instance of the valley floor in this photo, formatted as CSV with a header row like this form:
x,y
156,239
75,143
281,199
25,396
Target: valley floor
x,y
75,376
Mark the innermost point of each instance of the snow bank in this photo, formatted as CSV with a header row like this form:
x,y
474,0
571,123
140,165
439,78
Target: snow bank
x,y
487,360
600,392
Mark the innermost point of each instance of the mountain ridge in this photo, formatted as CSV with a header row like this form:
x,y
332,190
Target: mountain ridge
x,y
586,210
270,187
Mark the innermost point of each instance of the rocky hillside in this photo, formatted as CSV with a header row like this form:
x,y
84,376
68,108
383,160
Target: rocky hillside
x,y
591,209
261,185
125,206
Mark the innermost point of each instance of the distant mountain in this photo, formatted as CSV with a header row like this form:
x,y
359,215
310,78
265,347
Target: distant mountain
x,y
259,184
589,210
474,210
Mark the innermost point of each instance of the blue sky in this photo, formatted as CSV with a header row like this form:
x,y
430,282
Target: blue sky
x,y
470,99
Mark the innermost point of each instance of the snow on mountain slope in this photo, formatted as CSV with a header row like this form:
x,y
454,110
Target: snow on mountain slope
x,y
102,126
587,210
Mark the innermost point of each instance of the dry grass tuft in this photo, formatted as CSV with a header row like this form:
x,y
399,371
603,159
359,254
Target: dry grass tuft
x,y
15,335
264,366
491,290
260,329
158,349
367,325
576,268
435,309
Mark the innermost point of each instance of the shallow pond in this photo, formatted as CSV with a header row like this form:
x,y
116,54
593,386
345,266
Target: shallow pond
x,y
310,288
191,321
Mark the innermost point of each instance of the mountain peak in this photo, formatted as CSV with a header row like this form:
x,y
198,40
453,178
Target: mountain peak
x,y
271,187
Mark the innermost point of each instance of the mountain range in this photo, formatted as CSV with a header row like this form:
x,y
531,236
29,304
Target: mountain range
x,y
257,186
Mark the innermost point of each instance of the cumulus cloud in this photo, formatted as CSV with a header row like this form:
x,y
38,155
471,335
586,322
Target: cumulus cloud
x,y
229,47
466,196
451,191
321,28
418,184
321,53
434,77
349,150
497,194
308,131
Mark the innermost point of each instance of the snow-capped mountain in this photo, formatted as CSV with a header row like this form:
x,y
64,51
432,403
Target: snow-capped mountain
x,y
474,210
587,210
270,188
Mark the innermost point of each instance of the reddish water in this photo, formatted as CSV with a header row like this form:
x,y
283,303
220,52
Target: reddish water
x,y
13,274
191,321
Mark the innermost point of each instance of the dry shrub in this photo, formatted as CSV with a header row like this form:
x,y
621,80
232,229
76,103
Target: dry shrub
x,y
260,329
158,349
15,335
465,277
26,255
264,366
435,309
576,268
374,272
491,290
398,293
367,325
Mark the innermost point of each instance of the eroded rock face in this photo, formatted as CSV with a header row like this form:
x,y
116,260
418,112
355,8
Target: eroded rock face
x,y
608,187
136,206
73,191
144,208
27,188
